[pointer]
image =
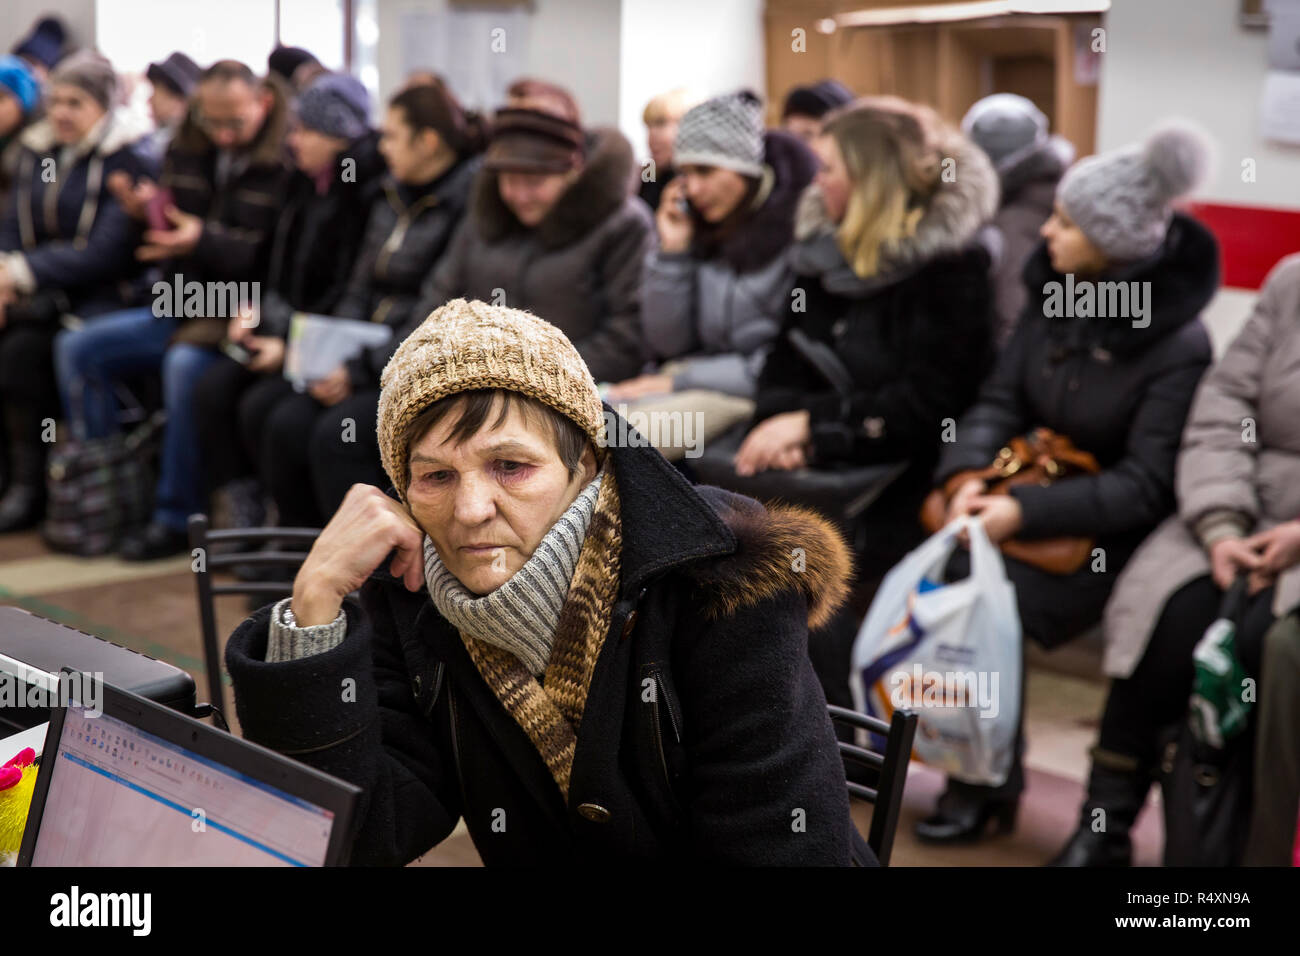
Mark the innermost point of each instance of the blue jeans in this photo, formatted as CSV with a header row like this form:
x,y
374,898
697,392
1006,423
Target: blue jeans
x,y
90,360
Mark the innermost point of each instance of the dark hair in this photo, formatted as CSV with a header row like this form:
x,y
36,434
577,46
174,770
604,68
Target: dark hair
x,y
226,70
708,238
426,105
474,407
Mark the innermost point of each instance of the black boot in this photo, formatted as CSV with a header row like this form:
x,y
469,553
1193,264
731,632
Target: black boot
x,y
1117,789
23,502
962,816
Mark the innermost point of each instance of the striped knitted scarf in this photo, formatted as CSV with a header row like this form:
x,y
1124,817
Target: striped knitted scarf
x,y
532,627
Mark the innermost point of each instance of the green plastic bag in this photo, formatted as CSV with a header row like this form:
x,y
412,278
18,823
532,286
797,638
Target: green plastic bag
x,y
1220,706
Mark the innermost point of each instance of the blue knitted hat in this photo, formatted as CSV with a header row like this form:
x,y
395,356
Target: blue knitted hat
x,y
16,79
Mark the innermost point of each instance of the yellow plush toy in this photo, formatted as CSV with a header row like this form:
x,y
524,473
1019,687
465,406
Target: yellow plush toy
x,y
17,781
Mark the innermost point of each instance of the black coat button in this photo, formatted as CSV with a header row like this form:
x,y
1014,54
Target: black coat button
x,y
593,812
416,684
627,626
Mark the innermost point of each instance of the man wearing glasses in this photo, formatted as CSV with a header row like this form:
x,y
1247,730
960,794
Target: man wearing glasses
x,y
210,220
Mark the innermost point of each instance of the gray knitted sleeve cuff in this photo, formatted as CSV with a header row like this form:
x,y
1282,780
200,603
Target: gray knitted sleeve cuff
x,y
1214,526
285,643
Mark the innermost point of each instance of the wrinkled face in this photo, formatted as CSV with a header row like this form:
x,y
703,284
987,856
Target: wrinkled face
x,y
72,112
715,192
807,128
1069,249
530,196
659,137
166,108
11,113
487,503
314,152
231,112
832,177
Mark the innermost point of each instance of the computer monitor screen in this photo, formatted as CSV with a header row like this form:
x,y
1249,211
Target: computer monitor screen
x,y
122,797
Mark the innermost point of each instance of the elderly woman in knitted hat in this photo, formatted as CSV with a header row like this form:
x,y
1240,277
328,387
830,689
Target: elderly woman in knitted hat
x,y
65,247
717,287
1107,353
558,638
553,228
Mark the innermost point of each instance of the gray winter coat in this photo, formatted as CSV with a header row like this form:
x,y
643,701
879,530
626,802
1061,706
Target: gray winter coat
x,y
718,313
580,268
1227,484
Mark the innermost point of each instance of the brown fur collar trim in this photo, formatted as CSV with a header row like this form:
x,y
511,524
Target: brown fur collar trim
x,y
600,189
779,548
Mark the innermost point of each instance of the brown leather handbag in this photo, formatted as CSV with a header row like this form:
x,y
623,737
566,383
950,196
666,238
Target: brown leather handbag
x,y
1041,457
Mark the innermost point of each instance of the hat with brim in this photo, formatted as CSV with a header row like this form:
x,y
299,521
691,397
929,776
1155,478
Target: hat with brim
x,y
532,141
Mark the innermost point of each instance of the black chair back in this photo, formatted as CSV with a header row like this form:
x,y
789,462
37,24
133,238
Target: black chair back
x,y
890,768
292,547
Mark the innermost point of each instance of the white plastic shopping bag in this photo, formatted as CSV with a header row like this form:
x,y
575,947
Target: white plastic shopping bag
x,y
949,652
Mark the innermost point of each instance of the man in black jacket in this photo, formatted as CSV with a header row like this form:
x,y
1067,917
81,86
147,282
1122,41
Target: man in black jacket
x,y
608,666
226,175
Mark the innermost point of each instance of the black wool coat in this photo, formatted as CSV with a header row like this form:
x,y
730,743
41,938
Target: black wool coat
x,y
318,236
408,232
1118,391
705,736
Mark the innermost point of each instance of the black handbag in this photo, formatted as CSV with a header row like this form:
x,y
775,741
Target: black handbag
x,y
1206,789
842,492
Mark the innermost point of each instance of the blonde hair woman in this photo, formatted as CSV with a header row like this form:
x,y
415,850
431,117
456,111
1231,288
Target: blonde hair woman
x,y
895,281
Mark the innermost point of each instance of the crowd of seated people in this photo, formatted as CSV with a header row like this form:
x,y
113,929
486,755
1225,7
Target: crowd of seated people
x,y
919,252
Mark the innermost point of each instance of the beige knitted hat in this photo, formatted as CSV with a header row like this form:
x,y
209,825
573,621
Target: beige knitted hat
x,y
467,345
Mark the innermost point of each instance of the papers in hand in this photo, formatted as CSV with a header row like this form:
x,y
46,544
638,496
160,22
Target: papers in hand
x,y
318,344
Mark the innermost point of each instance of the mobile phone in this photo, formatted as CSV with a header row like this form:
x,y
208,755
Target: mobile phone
x,y
156,211
237,352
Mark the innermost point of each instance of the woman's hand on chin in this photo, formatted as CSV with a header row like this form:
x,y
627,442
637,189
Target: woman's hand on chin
x,y
366,527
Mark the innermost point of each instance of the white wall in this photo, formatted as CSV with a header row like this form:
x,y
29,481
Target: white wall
x,y
17,17
571,42
711,46
1190,59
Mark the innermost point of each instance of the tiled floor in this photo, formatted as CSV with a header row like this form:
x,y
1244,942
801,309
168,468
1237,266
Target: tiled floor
x,y
151,608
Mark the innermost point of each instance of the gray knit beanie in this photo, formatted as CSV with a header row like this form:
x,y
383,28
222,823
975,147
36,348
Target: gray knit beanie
x,y
1121,199
337,105
90,72
1005,125
726,131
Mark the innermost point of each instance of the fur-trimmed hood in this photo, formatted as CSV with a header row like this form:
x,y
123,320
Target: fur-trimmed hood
x,y
601,189
953,215
766,231
120,128
779,548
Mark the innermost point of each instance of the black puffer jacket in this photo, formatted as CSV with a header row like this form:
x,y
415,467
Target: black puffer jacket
x,y
731,759
318,237
410,228
1118,391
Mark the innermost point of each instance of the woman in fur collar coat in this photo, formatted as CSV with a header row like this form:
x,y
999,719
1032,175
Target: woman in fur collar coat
x,y
895,281
553,228
583,656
